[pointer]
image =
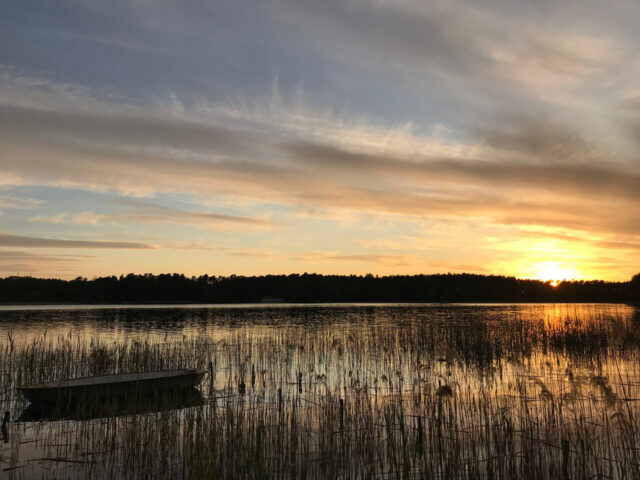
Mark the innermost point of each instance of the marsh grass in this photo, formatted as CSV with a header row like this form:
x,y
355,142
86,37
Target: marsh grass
x,y
511,392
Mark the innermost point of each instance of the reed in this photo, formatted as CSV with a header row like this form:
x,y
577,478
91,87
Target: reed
x,y
388,393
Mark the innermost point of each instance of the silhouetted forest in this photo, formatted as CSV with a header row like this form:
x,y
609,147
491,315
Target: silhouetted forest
x,y
168,288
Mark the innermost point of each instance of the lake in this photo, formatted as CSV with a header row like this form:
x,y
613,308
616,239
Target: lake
x,y
331,391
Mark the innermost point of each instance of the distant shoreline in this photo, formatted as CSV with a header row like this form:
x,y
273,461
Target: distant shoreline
x,y
288,304
177,289
309,303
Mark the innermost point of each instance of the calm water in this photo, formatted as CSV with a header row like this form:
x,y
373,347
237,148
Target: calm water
x,y
551,364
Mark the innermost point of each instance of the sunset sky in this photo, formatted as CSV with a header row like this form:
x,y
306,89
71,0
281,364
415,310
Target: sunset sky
x,y
329,136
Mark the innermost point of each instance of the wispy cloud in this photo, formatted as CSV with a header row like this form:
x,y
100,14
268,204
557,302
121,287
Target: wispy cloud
x,y
20,203
331,176
14,262
142,212
495,51
8,240
388,260
21,255
563,186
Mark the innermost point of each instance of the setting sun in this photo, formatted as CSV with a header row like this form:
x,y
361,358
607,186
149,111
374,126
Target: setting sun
x,y
554,273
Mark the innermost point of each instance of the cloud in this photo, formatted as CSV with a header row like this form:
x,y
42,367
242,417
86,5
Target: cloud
x,y
387,260
402,261
449,267
496,49
18,203
19,255
20,262
620,244
143,212
547,174
148,212
257,253
613,243
325,175
545,140
129,131
55,219
8,240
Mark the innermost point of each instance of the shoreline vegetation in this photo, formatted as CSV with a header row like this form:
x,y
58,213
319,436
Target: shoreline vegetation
x,y
401,393
310,288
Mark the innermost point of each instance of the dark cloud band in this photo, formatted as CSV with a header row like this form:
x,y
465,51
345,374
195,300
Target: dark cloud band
x,y
7,240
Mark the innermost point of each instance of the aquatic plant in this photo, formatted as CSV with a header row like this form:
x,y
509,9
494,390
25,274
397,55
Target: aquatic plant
x,y
401,392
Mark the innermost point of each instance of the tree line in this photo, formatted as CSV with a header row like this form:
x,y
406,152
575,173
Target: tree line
x,y
166,288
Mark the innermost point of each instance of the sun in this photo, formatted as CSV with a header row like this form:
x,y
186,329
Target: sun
x,y
554,273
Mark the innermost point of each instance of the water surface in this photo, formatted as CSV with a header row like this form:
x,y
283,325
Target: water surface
x,y
541,370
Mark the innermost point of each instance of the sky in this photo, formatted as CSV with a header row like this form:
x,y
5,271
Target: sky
x,y
334,136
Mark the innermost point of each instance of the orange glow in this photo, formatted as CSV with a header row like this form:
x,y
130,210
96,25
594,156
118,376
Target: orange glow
x,y
554,273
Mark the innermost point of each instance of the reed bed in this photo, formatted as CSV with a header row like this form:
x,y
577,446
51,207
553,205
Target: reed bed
x,y
362,392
